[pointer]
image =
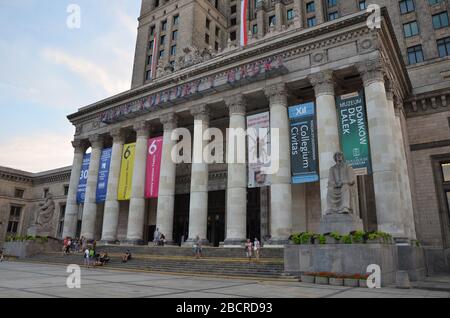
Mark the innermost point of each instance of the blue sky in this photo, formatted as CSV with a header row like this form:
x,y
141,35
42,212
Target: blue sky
x,y
48,71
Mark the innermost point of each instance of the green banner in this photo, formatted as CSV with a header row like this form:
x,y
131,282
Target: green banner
x,y
353,130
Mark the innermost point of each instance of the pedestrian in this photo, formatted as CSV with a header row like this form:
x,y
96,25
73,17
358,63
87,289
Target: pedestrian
x,y
83,243
1,256
197,247
256,248
69,243
156,236
248,250
86,257
162,239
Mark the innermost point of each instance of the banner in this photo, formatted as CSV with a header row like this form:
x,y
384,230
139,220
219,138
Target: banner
x,y
103,173
126,172
303,143
258,146
81,192
153,168
353,131
244,27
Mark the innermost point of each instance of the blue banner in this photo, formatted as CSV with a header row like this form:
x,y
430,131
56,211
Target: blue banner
x,y
303,143
103,173
83,178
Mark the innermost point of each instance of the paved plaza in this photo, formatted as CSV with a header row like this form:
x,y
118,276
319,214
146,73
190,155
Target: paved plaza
x,y
28,280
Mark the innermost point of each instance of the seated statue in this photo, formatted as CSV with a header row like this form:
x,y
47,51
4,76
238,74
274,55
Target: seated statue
x,y
341,187
45,212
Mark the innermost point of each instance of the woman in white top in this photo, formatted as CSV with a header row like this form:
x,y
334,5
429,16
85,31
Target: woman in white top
x,y
256,248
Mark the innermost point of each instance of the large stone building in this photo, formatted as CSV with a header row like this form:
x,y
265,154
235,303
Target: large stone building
x,y
190,71
20,195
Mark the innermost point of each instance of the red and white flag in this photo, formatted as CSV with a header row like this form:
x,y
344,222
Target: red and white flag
x,y
154,56
244,28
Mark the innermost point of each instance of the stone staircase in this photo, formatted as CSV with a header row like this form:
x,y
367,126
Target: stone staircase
x,y
215,261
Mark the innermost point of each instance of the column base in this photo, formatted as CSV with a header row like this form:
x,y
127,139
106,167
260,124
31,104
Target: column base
x,y
109,242
132,242
190,242
233,243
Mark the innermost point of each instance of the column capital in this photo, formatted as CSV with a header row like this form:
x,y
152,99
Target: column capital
x,y
201,112
323,82
236,104
96,141
277,94
169,121
118,135
372,70
142,129
79,145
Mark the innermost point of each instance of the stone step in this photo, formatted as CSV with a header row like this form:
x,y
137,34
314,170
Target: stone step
x,y
268,268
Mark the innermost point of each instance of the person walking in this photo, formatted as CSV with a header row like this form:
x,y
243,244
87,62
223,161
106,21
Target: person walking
x,y
248,250
197,247
156,237
86,257
256,248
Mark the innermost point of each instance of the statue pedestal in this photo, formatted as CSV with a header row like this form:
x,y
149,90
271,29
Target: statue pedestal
x,y
340,223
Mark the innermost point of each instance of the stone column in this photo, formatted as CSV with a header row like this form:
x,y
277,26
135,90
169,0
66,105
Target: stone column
x,y
320,14
299,13
236,228
279,14
111,214
280,190
71,216
166,199
136,215
261,19
90,201
384,163
198,207
327,128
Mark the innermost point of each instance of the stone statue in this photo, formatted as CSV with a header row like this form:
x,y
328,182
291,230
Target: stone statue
x,y
44,215
341,187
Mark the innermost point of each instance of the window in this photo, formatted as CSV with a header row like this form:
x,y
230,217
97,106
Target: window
x,y
415,54
311,22
173,50
163,40
362,5
410,29
164,26
310,7
176,20
174,35
18,193
272,20
162,53
233,9
14,220
149,59
217,32
216,46
233,21
148,75
207,38
66,190
150,47
432,2
406,6
332,16
332,3
255,29
444,47
208,23
446,171
290,14
45,192
440,20
152,30
233,35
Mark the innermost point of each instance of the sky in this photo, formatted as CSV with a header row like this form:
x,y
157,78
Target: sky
x,y
49,70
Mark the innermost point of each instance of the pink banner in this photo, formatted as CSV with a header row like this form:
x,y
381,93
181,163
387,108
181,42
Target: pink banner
x,y
153,167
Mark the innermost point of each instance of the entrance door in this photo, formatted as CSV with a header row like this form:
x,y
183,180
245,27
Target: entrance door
x,y
254,214
216,217
181,218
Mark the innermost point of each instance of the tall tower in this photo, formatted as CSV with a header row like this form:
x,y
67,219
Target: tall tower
x,y
175,25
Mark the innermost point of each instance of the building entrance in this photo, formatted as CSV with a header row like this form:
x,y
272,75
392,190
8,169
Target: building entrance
x,y
216,217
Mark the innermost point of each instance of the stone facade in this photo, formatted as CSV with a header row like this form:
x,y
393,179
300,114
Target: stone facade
x,y
287,61
26,191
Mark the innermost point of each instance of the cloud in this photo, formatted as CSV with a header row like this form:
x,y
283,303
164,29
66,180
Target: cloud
x,y
86,69
37,152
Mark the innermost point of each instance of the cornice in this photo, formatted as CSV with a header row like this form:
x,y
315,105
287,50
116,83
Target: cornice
x,y
301,38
